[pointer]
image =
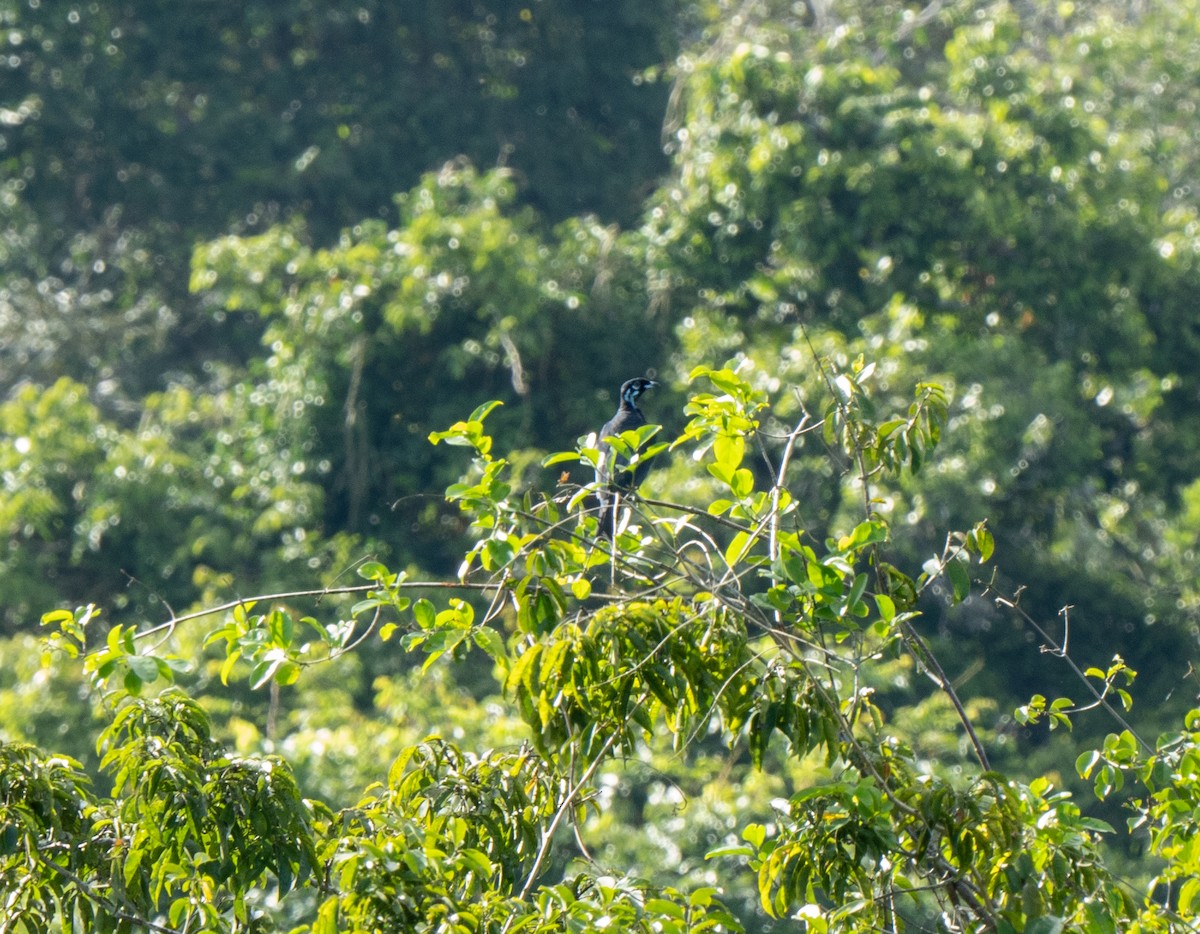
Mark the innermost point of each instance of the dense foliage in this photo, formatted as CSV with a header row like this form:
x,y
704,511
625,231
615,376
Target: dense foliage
x,y
900,633
728,631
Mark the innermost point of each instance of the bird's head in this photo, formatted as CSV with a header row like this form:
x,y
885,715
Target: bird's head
x,y
631,389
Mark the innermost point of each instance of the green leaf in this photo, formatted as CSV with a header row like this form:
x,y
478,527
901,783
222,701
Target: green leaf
x,y
327,916
960,579
725,380
738,547
795,568
241,612
54,617
985,543
721,472
264,671
281,628
227,665
1188,893
854,598
560,458
870,532
484,410
490,641
425,613
132,863
1086,762
722,852
179,908
916,450
755,834
729,450
146,667
742,483
663,907
887,607
440,643
372,571
120,641
719,507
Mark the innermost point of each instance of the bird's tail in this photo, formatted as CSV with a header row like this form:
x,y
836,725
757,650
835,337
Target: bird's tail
x,y
608,515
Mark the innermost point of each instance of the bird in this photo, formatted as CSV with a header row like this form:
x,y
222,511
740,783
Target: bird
x,y
612,476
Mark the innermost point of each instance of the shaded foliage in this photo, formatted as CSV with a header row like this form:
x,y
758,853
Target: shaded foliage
x,y
134,131
949,254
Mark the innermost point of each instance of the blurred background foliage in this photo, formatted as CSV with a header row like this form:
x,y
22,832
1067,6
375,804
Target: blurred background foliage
x,y
252,254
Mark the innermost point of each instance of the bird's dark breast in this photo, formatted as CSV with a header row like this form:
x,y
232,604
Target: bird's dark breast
x,y
613,474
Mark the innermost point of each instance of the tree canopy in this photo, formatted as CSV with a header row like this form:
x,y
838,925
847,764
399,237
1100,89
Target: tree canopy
x,y
307,312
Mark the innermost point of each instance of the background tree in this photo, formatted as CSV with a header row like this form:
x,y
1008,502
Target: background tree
x,y
991,198
134,131
957,195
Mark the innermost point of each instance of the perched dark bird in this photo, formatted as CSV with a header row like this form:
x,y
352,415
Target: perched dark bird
x,y
612,474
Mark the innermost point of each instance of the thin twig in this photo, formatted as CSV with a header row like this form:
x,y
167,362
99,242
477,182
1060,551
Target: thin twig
x,y
1060,651
925,655
322,592
776,489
